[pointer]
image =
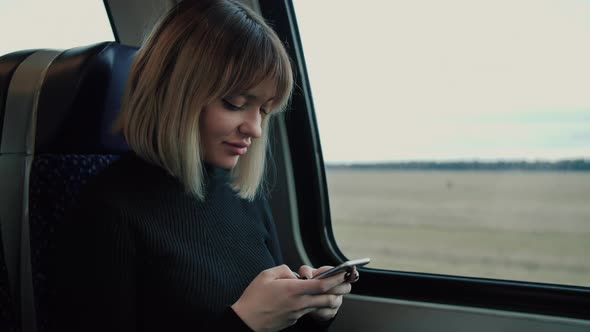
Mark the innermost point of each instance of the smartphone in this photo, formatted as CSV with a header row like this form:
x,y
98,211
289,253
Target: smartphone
x,y
346,266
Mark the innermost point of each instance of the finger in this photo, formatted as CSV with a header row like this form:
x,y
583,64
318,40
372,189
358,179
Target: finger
x,y
306,271
323,301
280,272
315,286
319,286
353,276
305,311
342,289
334,281
322,269
325,314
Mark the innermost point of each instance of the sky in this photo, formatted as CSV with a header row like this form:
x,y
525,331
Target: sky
x,y
449,80
409,80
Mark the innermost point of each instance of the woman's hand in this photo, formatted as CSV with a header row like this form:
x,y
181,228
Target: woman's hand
x,y
276,298
339,290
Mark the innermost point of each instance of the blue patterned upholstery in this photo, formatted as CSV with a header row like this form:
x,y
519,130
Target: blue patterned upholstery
x,y
55,184
8,316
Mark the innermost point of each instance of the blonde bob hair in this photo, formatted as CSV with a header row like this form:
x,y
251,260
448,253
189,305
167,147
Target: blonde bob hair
x,y
199,53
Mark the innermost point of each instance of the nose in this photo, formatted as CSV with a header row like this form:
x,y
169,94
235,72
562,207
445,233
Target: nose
x,y
251,126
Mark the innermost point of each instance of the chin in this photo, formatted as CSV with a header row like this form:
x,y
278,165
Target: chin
x,y
226,163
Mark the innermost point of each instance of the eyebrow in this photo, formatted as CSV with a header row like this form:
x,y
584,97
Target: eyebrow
x,y
251,97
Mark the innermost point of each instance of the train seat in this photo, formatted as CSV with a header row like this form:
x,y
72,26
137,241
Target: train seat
x,y
72,140
78,103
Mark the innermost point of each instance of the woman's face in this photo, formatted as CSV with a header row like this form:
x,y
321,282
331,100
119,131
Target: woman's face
x,y
229,125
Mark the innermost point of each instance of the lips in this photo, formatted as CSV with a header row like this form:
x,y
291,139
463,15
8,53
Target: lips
x,y
238,144
237,148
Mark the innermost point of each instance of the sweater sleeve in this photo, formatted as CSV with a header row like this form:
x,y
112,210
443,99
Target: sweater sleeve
x,y
96,276
230,321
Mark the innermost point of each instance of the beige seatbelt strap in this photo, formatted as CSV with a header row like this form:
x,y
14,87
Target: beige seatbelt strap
x,y
16,153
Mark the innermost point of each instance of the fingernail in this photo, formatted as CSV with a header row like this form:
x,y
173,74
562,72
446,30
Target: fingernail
x,y
356,277
297,275
347,276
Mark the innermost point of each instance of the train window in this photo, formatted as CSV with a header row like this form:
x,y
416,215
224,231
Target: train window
x,y
52,24
455,133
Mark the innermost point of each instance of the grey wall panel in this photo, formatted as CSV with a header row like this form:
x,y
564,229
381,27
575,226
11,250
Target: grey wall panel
x,y
361,313
134,19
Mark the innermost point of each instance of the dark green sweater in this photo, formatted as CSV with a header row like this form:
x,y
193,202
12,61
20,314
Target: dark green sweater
x,y
140,254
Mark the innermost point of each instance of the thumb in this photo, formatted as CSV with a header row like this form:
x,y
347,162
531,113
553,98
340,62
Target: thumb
x,y
306,271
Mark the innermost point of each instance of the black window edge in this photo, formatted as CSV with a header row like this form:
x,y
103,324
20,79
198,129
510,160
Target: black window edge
x,y
317,234
107,7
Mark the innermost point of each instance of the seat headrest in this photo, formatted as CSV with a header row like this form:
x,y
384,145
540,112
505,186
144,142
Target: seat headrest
x,y
80,99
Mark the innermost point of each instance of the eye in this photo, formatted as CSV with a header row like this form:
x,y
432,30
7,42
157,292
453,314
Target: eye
x,y
263,111
230,106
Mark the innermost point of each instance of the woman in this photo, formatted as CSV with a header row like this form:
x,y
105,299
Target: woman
x,y
177,236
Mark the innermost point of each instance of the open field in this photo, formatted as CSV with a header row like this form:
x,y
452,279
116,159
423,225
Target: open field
x,y
517,225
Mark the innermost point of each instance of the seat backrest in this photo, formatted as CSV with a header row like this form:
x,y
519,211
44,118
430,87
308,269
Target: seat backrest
x,y
78,103
63,137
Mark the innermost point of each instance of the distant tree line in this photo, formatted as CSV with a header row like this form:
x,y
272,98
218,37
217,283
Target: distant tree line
x,y
562,165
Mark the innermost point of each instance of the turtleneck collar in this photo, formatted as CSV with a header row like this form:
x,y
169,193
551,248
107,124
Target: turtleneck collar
x,y
216,173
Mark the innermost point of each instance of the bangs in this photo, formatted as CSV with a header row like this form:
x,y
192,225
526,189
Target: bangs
x,y
256,56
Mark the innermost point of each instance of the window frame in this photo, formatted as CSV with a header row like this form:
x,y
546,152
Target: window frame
x,y
317,234
107,8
